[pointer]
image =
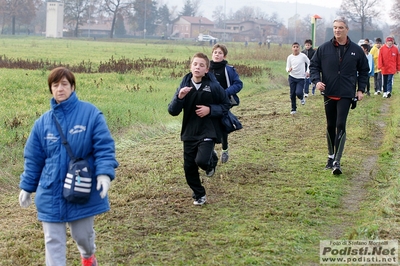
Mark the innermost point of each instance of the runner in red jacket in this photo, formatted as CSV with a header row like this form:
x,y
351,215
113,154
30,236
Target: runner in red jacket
x,y
389,64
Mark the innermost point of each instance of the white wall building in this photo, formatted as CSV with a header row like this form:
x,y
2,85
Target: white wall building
x,y
54,20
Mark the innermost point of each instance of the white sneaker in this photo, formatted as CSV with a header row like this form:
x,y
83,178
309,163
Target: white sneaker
x,y
376,93
306,95
293,112
303,102
384,95
379,92
200,201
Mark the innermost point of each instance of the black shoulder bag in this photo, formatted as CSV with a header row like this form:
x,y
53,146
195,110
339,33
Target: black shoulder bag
x,y
78,181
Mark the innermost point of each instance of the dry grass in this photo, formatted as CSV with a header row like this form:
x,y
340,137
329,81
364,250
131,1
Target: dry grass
x,y
270,204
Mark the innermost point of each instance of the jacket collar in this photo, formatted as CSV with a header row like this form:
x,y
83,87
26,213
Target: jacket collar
x,y
336,44
208,76
65,106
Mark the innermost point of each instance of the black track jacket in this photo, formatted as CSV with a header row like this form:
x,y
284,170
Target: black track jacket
x,y
340,73
210,93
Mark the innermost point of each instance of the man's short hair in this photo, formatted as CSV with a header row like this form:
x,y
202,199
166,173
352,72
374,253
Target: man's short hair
x,y
308,41
378,40
343,20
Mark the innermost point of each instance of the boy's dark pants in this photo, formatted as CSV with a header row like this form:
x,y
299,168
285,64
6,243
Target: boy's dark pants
x,y
296,89
197,154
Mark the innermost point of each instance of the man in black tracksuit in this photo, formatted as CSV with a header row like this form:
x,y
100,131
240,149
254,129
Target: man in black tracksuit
x,y
339,69
204,102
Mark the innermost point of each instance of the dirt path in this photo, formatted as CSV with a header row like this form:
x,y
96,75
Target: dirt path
x,y
357,192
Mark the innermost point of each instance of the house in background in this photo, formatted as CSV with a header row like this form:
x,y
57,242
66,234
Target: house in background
x,y
186,27
95,29
259,30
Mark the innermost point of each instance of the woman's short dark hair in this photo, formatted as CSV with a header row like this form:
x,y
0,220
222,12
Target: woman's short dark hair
x,y
58,73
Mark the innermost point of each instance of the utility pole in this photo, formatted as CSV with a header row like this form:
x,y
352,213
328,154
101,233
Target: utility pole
x,y
295,24
145,18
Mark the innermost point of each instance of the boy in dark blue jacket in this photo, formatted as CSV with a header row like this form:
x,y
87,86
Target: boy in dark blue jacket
x,y
204,102
229,79
309,52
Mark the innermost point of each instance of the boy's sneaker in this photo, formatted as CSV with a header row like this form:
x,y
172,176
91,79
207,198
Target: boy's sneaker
x,y
210,171
224,156
336,170
303,101
384,95
389,94
306,95
293,112
379,92
329,164
89,261
200,201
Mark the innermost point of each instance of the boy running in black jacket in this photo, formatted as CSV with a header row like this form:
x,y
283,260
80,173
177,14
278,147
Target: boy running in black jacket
x,y
203,102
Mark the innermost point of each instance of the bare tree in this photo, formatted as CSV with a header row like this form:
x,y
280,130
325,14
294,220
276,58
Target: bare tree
x,y
196,7
360,12
274,18
218,16
244,13
18,11
114,7
259,14
395,15
75,11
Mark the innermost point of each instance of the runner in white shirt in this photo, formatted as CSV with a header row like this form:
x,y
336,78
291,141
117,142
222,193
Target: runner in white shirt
x,y
297,73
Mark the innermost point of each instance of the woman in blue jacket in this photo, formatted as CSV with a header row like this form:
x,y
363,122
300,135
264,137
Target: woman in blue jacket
x,y
46,165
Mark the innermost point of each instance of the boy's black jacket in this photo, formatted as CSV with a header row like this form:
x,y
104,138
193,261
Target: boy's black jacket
x,y
211,94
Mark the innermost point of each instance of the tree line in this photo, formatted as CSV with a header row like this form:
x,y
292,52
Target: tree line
x,y
153,18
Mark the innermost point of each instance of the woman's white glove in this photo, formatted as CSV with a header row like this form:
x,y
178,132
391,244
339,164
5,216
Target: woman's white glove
x,y
103,181
25,199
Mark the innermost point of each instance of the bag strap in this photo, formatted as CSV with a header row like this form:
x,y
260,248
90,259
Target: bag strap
x,y
228,83
64,140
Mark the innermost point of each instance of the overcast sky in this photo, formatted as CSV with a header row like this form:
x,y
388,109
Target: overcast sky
x,y
326,3
327,8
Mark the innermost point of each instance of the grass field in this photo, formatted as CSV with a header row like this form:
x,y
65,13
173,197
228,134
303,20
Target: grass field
x,y
270,204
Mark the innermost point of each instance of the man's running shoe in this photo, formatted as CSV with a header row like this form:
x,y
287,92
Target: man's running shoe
x,y
329,164
336,170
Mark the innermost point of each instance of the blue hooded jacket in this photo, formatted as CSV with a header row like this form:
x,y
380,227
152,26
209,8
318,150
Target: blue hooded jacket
x,y
46,159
